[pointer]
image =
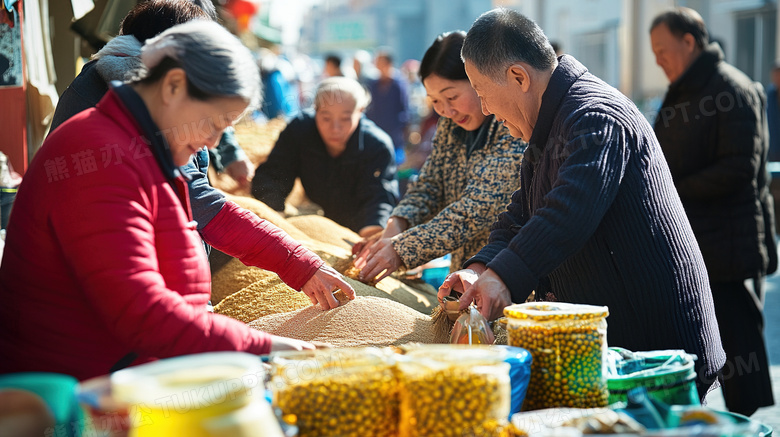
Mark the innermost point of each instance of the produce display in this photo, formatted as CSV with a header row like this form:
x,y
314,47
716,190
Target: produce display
x,y
568,344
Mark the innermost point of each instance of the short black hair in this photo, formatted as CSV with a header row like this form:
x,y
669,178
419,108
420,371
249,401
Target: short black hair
x,y
681,21
443,57
501,37
152,17
333,59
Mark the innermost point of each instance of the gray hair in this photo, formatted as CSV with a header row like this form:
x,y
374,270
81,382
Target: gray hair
x,y
335,89
215,61
502,37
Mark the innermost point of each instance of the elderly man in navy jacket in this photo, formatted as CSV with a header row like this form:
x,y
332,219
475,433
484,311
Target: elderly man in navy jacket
x,y
597,219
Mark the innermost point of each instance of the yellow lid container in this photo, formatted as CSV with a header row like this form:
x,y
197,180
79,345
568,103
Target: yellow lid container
x,y
568,343
194,395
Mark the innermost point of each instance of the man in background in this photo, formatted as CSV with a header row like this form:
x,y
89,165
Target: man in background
x,y
712,129
389,107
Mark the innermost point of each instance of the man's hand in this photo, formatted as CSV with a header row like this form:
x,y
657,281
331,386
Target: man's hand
x,y
279,344
321,286
459,281
489,293
242,171
379,256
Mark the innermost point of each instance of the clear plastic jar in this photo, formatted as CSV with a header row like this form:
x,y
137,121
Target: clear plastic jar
x,y
568,343
344,392
452,390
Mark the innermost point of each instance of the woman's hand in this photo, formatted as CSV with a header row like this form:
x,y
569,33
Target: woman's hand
x,y
379,256
363,247
279,344
321,286
242,171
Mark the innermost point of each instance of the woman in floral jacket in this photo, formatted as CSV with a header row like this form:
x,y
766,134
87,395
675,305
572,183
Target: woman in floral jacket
x,y
465,183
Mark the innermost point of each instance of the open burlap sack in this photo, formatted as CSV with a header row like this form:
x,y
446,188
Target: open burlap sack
x,y
325,230
235,276
261,298
267,213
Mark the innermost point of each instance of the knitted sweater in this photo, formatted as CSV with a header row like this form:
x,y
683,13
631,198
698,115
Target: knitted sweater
x,y
598,216
456,198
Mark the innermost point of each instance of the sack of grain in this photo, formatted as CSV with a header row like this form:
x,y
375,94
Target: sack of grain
x,y
332,255
261,298
325,230
235,276
267,213
365,321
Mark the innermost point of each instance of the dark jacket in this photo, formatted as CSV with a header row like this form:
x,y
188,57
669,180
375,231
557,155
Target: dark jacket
x,y
356,189
713,131
597,221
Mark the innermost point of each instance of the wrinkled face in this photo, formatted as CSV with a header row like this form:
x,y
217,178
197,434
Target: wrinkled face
x,y
506,101
673,54
190,124
456,100
337,117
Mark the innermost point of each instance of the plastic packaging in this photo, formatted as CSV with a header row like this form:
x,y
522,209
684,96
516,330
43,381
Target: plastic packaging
x,y
344,392
568,343
471,328
449,390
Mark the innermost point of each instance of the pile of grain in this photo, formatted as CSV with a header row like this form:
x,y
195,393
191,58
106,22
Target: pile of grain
x,y
262,298
364,321
325,230
235,276
267,213
420,300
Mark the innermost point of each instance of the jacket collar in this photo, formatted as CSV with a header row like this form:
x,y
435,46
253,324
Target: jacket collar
x,y
566,73
137,119
695,77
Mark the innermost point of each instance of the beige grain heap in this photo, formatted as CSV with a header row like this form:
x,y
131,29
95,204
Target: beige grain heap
x,y
365,321
261,298
325,230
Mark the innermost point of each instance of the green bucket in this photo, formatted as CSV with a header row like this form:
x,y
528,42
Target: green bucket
x,y
668,376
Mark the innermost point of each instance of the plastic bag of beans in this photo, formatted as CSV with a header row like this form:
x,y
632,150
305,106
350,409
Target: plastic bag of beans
x,y
568,343
337,392
452,390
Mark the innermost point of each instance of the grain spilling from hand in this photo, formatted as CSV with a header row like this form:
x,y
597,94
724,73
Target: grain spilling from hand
x,y
364,321
262,298
233,277
325,230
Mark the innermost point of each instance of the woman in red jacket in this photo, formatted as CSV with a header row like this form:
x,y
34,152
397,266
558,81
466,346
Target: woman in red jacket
x,y
103,265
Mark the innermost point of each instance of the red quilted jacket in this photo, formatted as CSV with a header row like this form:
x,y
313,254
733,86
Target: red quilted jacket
x,y
101,258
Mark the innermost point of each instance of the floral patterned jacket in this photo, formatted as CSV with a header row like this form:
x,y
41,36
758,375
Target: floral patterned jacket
x,y
455,200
